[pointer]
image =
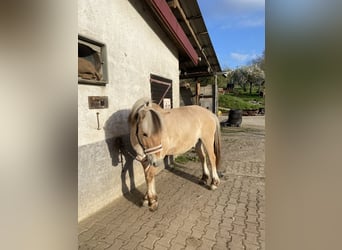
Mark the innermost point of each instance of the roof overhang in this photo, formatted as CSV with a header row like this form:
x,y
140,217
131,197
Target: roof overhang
x,y
169,21
182,20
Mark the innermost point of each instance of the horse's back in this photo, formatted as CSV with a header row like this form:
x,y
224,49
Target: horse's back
x,y
189,121
195,113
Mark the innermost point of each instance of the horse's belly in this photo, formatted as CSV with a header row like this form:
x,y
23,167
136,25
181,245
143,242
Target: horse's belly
x,y
180,147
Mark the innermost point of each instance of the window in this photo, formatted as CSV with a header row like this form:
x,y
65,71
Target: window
x,y
161,91
92,64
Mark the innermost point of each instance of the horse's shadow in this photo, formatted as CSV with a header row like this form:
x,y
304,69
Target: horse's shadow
x,y
176,169
122,153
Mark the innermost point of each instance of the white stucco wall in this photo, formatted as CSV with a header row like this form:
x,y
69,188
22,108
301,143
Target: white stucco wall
x,y
136,47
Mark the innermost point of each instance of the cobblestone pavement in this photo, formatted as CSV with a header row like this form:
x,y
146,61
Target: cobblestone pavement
x,y
191,216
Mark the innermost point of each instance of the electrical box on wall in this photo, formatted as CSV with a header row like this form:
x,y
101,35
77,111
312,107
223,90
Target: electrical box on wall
x,y
98,102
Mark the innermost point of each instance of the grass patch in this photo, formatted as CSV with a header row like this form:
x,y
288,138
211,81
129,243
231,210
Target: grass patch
x,y
185,158
234,102
240,99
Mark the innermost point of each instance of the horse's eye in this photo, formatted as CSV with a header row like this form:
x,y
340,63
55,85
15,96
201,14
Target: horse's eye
x,y
144,134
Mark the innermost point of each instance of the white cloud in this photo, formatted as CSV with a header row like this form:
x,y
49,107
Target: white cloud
x,y
243,58
243,23
243,5
238,57
251,22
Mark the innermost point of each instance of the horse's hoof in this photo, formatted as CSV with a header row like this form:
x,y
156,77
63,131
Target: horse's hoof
x,y
153,206
145,203
214,184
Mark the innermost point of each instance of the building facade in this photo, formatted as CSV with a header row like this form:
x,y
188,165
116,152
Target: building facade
x,y
126,51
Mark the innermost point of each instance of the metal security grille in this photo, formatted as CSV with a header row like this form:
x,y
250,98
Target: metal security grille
x,y
161,90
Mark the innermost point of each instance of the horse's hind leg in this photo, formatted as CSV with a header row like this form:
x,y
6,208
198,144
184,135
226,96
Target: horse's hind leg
x,y
209,146
201,154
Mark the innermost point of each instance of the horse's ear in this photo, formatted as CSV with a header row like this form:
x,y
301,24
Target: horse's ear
x,y
148,103
138,105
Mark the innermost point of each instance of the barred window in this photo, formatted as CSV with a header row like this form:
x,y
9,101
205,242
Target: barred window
x,y
161,91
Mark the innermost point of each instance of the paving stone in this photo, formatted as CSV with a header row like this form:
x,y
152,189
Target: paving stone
x,y
228,214
193,242
252,218
117,244
206,244
261,224
107,238
150,240
187,227
220,245
252,211
197,233
262,234
238,220
141,234
251,227
180,238
251,238
200,226
224,233
165,240
131,244
87,245
236,242
210,234
160,247
251,247
214,224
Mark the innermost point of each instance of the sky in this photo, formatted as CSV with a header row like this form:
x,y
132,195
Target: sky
x,y
236,29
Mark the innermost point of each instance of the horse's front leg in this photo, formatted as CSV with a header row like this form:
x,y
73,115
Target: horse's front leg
x,y
151,195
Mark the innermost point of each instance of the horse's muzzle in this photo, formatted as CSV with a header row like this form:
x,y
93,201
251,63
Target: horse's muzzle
x,y
153,160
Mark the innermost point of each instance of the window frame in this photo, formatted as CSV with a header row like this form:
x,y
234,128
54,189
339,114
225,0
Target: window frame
x,y
103,57
157,79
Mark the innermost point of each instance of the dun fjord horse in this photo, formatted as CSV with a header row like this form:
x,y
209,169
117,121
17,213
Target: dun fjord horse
x,y
157,132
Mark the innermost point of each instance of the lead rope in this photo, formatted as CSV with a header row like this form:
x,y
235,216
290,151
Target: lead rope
x,y
142,159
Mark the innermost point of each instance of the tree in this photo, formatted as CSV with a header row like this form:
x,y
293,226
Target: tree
x,y
248,75
239,76
256,76
259,61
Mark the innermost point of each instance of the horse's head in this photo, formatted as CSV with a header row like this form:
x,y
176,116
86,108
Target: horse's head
x,y
146,131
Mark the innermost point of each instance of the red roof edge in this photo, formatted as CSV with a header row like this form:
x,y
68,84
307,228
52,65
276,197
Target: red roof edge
x,y
163,10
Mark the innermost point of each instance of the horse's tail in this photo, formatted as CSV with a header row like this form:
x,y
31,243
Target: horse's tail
x,y
217,143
